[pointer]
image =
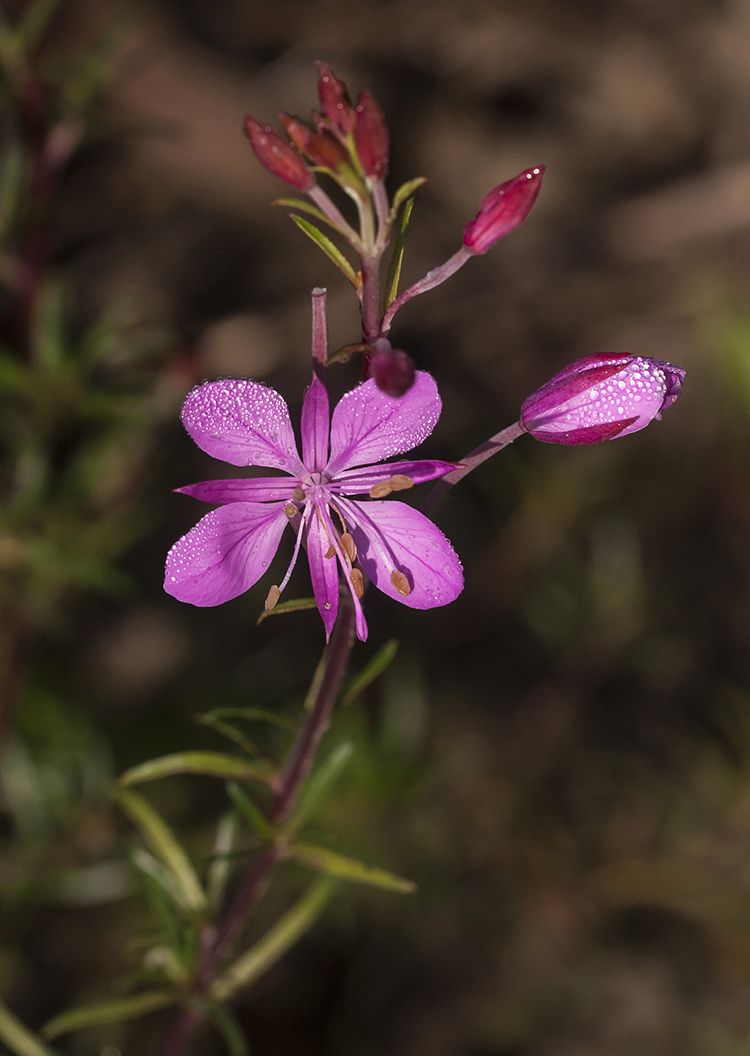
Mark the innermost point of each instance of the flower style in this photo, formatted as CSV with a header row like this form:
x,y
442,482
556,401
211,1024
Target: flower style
x,y
396,546
600,397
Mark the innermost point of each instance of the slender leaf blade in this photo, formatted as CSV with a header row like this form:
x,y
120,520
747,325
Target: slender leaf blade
x,y
406,190
294,605
255,715
330,250
249,810
394,268
343,867
108,1012
17,1036
229,1028
218,871
319,782
371,671
210,764
307,207
165,846
274,944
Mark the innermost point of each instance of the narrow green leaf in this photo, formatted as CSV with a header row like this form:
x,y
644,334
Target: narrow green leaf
x,y
394,268
371,671
254,715
36,20
307,207
246,806
17,1036
229,1028
319,782
295,605
229,731
165,846
343,355
212,764
406,190
331,251
48,328
218,870
10,187
108,1012
345,868
15,377
274,944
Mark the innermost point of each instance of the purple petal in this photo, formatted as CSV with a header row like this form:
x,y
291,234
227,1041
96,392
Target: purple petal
x,y
359,481
252,489
225,554
391,535
315,420
590,434
242,422
324,571
368,426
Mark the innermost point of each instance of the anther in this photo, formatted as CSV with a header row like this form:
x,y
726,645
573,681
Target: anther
x,y
401,583
330,552
348,546
290,510
400,482
273,596
379,491
298,494
357,581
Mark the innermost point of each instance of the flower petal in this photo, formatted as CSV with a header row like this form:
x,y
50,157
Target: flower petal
x,y
242,422
315,420
359,481
252,489
324,571
368,425
391,535
225,554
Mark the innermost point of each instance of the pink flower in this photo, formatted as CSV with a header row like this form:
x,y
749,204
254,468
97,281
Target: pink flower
x,y
502,210
600,397
396,546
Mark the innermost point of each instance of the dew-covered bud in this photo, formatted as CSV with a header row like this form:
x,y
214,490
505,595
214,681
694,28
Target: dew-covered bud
x,y
277,156
334,98
600,397
371,137
502,210
392,369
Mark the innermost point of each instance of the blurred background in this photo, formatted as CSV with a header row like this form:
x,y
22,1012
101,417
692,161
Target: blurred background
x,y
560,759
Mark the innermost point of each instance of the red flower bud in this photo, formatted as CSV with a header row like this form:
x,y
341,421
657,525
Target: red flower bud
x,y
297,130
502,210
324,149
392,369
334,98
371,137
277,156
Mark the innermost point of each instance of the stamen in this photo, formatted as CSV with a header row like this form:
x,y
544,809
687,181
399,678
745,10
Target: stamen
x,y
400,482
290,510
293,562
330,552
298,494
357,581
348,546
273,596
379,491
401,583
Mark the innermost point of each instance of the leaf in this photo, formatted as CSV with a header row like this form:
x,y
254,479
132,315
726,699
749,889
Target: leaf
x,y
319,782
212,764
10,188
108,1012
218,870
165,846
371,671
345,868
15,377
17,1036
331,251
295,605
394,268
36,19
307,207
230,731
274,944
252,814
343,355
229,1028
406,190
255,715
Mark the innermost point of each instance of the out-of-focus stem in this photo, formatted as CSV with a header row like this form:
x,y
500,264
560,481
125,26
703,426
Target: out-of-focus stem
x,y
334,214
478,455
369,298
429,282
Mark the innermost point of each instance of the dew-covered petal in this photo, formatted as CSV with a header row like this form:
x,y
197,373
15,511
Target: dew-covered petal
x,y
225,554
324,571
359,481
315,424
391,535
253,489
368,426
242,422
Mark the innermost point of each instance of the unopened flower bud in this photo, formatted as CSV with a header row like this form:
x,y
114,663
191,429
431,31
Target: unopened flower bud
x,y
297,130
334,98
392,369
502,210
371,137
600,397
324,149
277,156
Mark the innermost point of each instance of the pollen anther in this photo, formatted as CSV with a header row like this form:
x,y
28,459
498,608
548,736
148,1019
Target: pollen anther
x,y
357,581
348,546
273,596
379,491
330,552
298,494
400,482
290,510
401,583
